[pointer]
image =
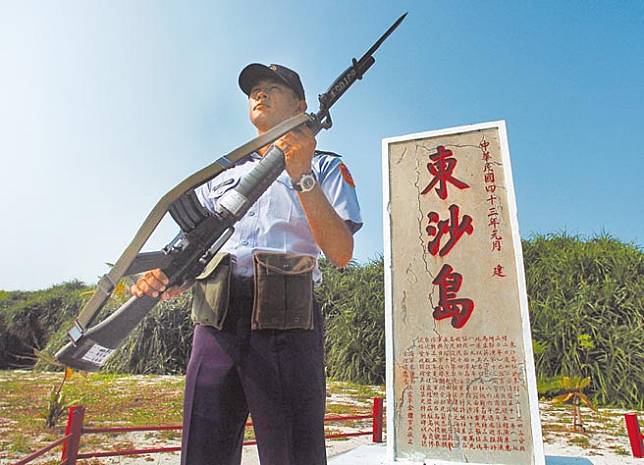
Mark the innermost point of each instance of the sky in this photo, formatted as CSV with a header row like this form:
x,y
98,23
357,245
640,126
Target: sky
x,y
106,105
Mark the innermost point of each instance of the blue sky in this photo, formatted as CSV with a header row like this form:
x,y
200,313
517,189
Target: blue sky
x,y
104,106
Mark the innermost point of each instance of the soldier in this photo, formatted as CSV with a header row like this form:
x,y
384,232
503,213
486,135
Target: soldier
x,y
258,340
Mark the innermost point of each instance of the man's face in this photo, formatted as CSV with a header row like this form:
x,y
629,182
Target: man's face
x,y
271,102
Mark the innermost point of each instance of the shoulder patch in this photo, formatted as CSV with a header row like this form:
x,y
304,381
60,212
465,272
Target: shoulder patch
x,y
324,152
346,175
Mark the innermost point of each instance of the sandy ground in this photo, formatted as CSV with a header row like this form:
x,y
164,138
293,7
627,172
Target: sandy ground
x,y
604,443
601,453
249,454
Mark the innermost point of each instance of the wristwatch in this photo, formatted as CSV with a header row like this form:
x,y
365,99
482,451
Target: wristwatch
x,y
306,182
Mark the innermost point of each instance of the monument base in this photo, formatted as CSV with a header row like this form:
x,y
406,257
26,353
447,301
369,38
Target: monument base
x,y
374,454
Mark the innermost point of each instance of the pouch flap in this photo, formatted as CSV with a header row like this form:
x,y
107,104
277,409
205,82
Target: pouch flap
x,y
221,258
285,263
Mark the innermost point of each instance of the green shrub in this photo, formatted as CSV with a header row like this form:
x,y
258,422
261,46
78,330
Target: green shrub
x,y
353,305
28,320
586,301
160,344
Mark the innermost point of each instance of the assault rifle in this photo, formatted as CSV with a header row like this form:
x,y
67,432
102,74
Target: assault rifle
x,y
202,233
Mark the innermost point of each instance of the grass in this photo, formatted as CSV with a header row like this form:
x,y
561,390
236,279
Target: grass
x,y
109,399
18,443
581,441
359,392
119,400
337,408
619,450
331,430
126,400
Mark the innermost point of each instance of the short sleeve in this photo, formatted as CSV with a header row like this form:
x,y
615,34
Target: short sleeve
x,y
202,195
209,193
338,186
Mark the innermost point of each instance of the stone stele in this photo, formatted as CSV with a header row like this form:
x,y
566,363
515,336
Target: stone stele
x,y
460,373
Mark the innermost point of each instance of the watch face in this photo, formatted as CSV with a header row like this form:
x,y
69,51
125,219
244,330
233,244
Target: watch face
x,y
307,182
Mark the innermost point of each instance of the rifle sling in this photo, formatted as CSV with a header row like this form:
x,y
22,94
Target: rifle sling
x,y
106,284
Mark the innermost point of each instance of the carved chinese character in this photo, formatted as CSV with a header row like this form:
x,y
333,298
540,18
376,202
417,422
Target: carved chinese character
x,y
498,271
459,309
442,167
484,145
452,226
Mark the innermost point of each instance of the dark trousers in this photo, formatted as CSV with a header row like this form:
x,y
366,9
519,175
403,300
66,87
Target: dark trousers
x,y
276,375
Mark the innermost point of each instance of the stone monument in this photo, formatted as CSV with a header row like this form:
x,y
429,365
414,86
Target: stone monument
x,y
461,384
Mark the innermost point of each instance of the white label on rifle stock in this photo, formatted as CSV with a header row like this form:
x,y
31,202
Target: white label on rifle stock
x,y
97,354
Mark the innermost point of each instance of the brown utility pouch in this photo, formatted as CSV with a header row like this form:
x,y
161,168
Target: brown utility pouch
x,y
211,292
283,291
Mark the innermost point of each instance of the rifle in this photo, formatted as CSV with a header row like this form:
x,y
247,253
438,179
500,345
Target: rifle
x,y
202,233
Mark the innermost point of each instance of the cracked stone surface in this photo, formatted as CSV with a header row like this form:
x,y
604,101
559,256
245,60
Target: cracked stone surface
x,y
480,257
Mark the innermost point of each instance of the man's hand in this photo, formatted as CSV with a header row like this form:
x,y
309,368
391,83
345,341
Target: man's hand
x,y
329,230
153,283
298,147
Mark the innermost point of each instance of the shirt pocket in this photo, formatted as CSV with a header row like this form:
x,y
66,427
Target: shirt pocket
x,y
280,200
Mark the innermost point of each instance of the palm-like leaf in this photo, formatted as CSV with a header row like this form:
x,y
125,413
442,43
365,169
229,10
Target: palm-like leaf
x,y
586,401
565,397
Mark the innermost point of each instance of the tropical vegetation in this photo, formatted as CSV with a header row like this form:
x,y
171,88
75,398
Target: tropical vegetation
x,y
586,299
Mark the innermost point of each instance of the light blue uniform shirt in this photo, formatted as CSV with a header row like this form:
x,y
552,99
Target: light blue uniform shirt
x,y
276,222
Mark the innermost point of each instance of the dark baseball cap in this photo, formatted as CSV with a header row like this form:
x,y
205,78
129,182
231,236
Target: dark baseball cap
x,y
255,72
